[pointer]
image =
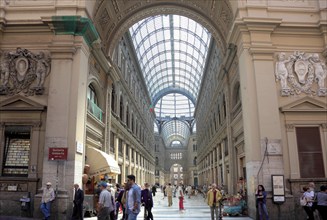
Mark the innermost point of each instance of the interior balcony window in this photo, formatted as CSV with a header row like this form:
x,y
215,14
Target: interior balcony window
x,y
92,103
16,151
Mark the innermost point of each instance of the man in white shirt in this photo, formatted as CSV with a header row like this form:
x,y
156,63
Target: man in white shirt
x,y
47,197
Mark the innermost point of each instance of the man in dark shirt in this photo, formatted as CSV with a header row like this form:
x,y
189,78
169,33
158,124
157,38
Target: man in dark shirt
x,y
146,199
78,203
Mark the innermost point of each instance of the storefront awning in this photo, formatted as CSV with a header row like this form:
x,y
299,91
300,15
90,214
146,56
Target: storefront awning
x,y
101,162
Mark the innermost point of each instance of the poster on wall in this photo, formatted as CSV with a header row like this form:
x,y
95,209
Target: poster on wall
x,y
278,188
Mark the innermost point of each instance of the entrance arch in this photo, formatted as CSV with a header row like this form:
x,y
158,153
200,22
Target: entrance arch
x,y
176,174
113,19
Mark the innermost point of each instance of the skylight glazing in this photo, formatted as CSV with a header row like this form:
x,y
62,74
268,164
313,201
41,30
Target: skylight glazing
x,y
176,130
172,52
174,105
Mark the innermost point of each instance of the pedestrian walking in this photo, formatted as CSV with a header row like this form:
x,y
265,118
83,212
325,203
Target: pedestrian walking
x,y
133,202
147,201
169,192
213,199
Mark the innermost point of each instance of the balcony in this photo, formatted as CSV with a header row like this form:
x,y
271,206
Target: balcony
x,y
94,110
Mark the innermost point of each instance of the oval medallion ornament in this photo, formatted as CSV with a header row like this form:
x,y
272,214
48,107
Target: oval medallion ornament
x,y
21,68
301,70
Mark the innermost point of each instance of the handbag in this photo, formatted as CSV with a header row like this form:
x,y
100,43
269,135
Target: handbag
x,y
303,201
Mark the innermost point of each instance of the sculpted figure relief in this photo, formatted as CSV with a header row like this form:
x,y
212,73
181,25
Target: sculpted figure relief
x,y
23,71
319,69
42,68
281,70
4,68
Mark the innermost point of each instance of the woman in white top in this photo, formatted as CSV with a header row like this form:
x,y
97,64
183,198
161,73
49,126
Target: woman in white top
x,y
308,208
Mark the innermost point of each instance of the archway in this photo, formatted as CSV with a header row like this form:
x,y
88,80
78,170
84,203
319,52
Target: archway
x,y
113,19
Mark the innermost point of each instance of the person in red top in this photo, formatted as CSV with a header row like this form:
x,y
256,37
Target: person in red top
x,y
180,195
213,198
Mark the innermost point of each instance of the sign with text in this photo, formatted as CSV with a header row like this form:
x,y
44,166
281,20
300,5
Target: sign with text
x,y
278,188
58,153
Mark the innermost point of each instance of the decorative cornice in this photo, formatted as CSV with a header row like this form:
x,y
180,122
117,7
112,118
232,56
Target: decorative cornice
x,y
75,25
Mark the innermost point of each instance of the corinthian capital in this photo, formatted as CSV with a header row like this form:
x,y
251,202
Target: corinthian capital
x,y
289,127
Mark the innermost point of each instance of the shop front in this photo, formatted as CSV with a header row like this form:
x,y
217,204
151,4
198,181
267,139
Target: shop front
x,y
99,166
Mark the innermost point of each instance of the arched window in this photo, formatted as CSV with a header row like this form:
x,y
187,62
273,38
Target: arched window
x,y
93,103
194,161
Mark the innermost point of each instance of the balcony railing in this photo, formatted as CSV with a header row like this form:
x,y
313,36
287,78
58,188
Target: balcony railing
x,y
94,109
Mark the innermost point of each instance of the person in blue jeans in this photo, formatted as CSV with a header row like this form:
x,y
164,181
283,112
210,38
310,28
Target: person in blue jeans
x,y
261,198
133,203
47,197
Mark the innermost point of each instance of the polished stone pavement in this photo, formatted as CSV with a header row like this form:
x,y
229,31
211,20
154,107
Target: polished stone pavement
x,y
196,209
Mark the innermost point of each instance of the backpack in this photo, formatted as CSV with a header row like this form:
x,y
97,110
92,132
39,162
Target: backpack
x,y
303,201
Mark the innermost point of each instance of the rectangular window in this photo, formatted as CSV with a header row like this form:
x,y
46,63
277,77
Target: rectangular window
x,y
310,152
112,142
16,151
120,147
226,146
127,152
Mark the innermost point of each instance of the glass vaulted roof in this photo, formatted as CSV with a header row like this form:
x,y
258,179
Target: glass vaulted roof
x,y
174,105
172,52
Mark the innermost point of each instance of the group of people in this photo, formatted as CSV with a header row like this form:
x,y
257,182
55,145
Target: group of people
x,y
131,198
315,201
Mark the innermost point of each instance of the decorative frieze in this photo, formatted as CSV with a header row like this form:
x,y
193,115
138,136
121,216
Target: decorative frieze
x,y
299,72
23,71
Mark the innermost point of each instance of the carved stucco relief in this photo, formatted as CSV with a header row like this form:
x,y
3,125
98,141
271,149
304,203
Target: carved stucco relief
x,y
301,73
23,71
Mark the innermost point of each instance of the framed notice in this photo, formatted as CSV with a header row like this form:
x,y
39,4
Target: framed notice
x,y
278,188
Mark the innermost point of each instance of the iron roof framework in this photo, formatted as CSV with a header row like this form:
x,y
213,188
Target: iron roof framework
x,y
172,50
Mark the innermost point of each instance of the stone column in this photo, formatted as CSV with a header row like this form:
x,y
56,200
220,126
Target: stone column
x,y
116,143
123,171
65,118
34,155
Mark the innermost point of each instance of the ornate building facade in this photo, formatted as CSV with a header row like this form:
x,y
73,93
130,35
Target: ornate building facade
x,y
71,82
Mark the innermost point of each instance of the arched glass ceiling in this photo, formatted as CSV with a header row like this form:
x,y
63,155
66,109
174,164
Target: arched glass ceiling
x,y
171,50
174,105
176,130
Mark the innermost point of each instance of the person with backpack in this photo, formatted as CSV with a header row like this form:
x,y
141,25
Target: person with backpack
x,y
147,201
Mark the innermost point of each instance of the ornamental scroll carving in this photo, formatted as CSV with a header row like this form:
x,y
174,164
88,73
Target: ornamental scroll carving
x,y
23,71
301,73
